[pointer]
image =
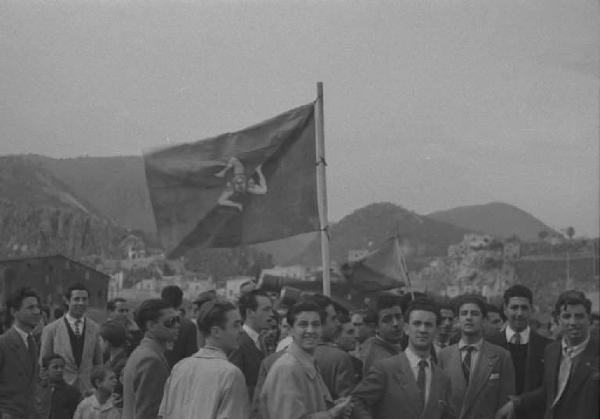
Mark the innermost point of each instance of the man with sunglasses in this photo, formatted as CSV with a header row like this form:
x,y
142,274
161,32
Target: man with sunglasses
x,y
147,368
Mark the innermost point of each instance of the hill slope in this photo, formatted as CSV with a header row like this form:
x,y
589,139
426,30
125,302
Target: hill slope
x,y
377,222
496,218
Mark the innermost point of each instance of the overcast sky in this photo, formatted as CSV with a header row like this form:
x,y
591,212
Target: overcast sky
x,y
428,104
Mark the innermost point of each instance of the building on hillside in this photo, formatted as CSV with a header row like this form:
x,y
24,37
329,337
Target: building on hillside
x,y
292,272
232,286
50,276
133,247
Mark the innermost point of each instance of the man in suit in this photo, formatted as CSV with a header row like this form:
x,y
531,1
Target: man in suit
x,y
255,309
75,338
187,341
409,384
386,311
482,375
18,356
147,369
526,347
569,389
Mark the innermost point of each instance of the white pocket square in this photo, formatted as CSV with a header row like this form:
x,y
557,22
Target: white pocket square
x,y
495,376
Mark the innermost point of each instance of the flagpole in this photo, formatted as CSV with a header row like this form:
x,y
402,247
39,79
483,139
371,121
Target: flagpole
x,y
322,189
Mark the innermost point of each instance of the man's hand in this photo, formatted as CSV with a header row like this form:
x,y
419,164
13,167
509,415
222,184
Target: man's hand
x,y
342,408
506,412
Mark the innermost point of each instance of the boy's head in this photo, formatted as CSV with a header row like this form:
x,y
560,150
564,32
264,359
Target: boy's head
x,y
103,379
54,365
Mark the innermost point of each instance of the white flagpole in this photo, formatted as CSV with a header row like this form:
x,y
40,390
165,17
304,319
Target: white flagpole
x,y
322,189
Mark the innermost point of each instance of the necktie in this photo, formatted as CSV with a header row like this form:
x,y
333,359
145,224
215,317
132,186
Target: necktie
x,y
31,349
516,339
466,364
77,328
564,372
421,380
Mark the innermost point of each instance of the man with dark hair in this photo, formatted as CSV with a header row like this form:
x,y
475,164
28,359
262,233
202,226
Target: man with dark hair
x,y
570,388
294,387
202,298
365,329
119,311
147,369
495,320
445,327
75,338
255,309
526,347
114,341
409,382
187,341
481,374
18,355
347,342
335,365
386,311
206,384
54,398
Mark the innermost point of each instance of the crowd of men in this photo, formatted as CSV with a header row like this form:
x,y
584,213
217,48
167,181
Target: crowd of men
x,y
406,357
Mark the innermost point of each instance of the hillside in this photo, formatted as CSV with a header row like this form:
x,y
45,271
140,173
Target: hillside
x,y
375,223
495,218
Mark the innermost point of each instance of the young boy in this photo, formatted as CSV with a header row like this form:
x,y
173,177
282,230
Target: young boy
x,y
100,405
55,398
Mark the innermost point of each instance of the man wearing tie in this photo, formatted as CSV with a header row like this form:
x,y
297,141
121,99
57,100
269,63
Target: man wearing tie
x,y
526,347
571,370
18,356
481,374
407,385
75,338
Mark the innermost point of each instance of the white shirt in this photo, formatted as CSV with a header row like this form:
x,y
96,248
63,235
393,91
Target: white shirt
x,y
71,320
252,333
24,335
509,332
413,360
566,363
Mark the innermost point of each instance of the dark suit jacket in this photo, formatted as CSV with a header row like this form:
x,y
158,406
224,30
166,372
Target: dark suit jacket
x,y
18,373
580,398
492,381
58,401
247,358
185,345
265,366
336,368
389,391
375,349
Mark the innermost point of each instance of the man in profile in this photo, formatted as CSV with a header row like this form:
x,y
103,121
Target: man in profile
x,y
187,341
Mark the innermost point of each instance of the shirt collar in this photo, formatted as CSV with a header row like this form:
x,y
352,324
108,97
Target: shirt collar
x,y
413,358
509,332
476,346
106,406
573,351
210,352
24,335
252,334
305,359
72,319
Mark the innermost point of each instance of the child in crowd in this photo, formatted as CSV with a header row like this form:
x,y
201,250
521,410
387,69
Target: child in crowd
x,y
100,405
55,398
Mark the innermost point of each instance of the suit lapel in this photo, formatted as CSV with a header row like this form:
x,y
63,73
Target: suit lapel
x,y
532,352
484,366
553,364
88,341
435,393
407,382
20,350
584,366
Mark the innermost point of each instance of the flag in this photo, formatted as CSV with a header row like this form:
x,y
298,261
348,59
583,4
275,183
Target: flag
x,y
250,186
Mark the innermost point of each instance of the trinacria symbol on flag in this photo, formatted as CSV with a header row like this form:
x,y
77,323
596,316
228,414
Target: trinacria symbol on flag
x,y
240,183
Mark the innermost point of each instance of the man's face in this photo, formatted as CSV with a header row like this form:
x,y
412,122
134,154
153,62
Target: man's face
x,y
228,336
306,330
263,312
447,322
56,369
470,319
363,331
29,314
332,327
390,324
495,321
166,328
346,341
421,329
78,303
518,313
121,311
574,323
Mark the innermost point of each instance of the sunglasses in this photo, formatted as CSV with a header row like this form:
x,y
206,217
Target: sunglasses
x,y
173,321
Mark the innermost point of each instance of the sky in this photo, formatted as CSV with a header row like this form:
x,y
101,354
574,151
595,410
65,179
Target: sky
x,y
429,104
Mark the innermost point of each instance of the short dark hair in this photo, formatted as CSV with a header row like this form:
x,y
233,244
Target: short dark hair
x,y
384,301
114,333
447,306
111,305
572,298
98,374
15,300
173,295
518,290
318,299
471,299
48,359
301,307
150,310
249,301
213,313
58,312
423,304
76,287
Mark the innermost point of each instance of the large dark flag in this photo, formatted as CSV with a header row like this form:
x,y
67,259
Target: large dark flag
x,y
250,186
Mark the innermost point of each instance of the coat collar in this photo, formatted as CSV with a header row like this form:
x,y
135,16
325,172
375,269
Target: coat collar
x,y
210,352
480,375
305,359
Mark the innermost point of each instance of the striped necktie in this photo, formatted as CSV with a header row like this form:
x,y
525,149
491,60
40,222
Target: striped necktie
x,y
466,363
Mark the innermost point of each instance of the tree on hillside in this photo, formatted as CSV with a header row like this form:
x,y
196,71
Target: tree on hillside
x,y
570,231
543,235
